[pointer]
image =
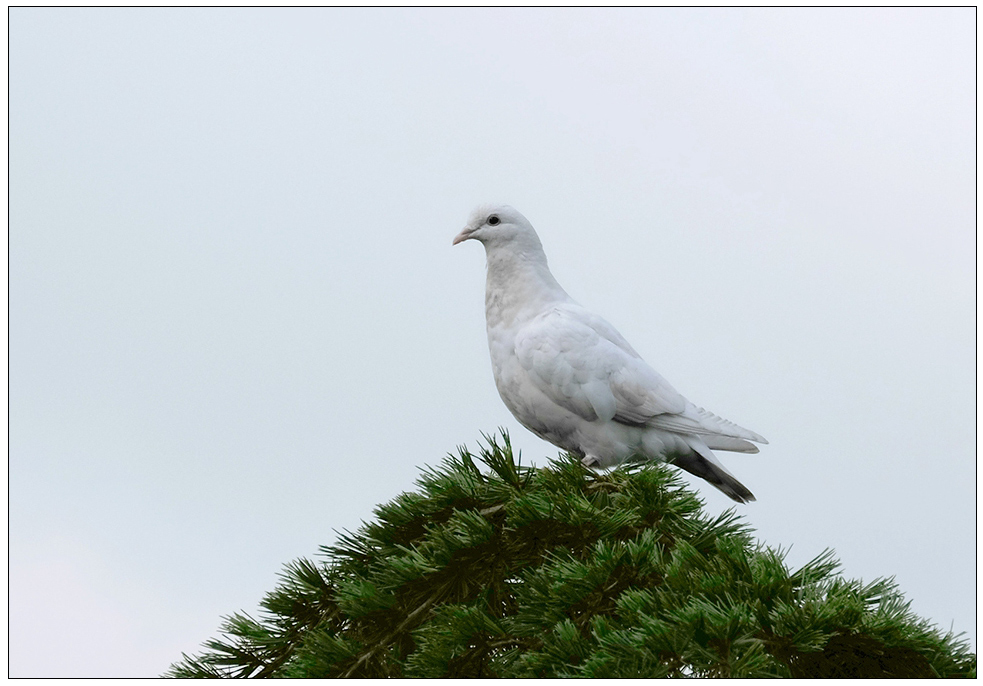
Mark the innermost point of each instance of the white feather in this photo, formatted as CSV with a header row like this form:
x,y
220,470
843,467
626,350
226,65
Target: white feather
x,y
568,375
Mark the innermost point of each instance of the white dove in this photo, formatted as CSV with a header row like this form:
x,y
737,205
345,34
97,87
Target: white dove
x,y
573,380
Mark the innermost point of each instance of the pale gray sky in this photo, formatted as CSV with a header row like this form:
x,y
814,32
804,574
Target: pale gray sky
x,y
237,323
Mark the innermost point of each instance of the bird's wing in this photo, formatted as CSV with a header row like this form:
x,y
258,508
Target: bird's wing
x,y
696,420
582,363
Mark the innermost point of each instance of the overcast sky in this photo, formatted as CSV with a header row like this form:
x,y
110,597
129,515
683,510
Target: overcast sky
x,y
237,323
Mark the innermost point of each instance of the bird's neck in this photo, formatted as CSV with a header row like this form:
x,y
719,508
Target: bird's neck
x,y
519,286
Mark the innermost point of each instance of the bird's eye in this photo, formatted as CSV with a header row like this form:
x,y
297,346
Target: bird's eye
x,y
493,220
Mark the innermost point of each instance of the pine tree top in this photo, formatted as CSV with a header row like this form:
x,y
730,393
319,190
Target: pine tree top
x,y
565,572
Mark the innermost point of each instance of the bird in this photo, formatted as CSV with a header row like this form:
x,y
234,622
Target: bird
x,y
569,377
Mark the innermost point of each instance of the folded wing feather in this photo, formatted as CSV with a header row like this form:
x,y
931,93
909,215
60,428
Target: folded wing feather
x,y
581,363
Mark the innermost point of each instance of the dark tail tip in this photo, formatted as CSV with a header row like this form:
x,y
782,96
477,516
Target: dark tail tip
x,y
699,466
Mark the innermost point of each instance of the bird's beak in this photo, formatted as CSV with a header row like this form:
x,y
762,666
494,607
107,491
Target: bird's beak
x,y
463,236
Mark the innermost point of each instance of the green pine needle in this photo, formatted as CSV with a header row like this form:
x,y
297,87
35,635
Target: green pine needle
x,y
564,572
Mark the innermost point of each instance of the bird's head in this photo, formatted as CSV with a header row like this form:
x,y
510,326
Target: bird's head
x,y
499,226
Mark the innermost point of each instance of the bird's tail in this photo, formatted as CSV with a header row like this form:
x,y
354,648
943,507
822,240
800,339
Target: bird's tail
x,y
703,464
